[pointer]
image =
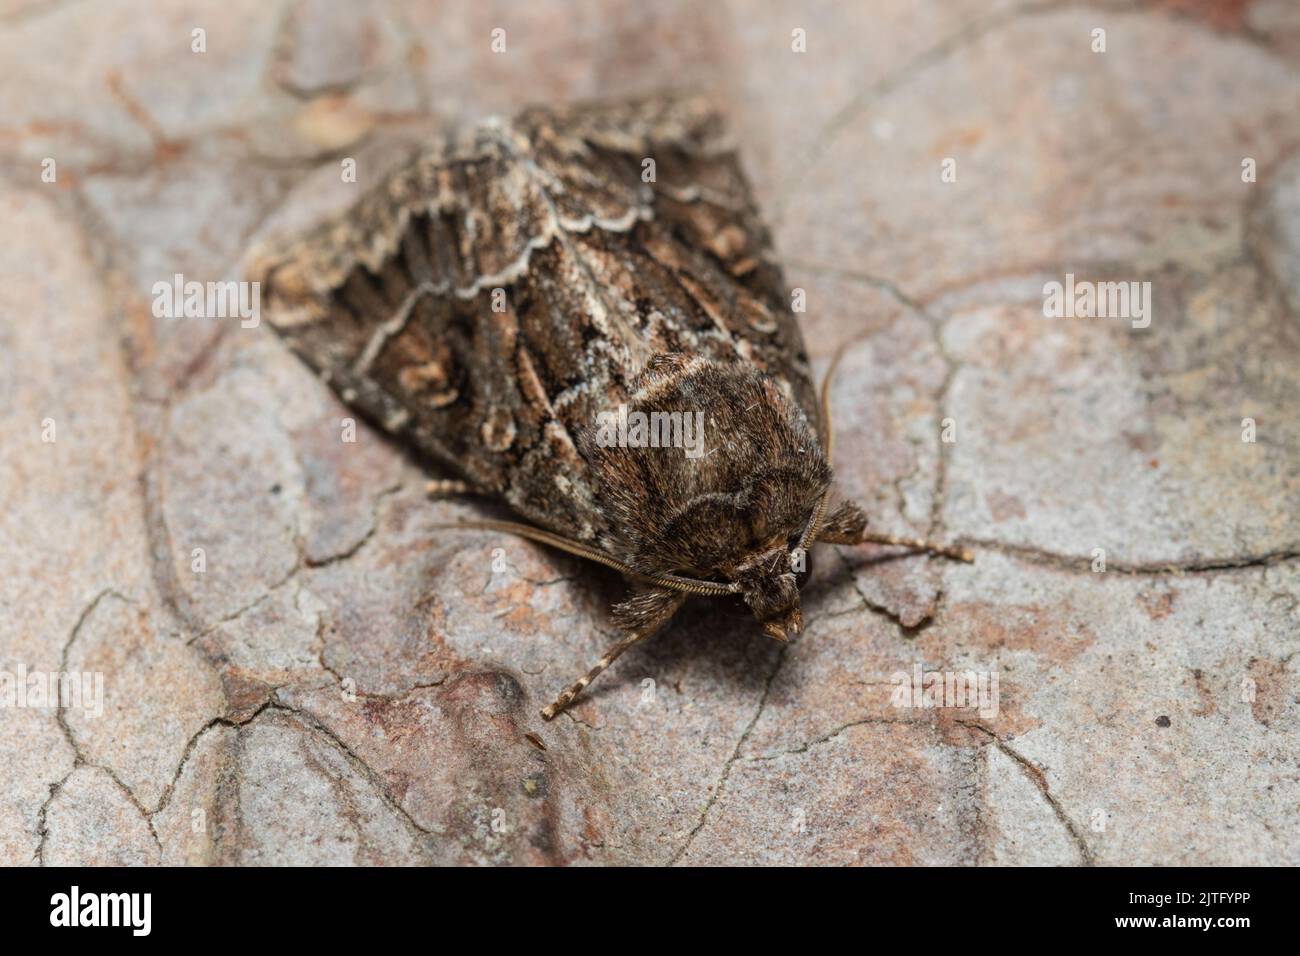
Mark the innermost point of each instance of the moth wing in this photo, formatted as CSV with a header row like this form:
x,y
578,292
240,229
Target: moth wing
x,y
490,297
405,304
699,226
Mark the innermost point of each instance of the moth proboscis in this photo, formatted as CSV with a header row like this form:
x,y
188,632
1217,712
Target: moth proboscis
x,y
496,294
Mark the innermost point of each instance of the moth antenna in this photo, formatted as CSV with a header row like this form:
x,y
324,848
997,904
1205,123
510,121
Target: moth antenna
x,y
671,581
814,526
665,606
827,432
848,524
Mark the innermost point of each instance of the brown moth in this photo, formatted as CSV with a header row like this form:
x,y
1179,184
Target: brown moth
x,y
491,299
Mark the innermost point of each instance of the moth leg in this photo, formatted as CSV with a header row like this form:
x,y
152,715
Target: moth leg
x,y
653,609
848,525
577,687
914,544
448,487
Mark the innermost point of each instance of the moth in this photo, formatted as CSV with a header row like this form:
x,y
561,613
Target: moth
x,y
507,285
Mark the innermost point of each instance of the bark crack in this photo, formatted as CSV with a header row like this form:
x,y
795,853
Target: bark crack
x,y
721,785
829,736
377,507
934,55
422,834
1039,779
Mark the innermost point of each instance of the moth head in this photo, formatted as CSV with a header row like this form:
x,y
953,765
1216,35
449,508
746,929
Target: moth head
x,y
769,586
769,580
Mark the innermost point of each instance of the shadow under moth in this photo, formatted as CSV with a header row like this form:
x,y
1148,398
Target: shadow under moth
x,y
503,297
